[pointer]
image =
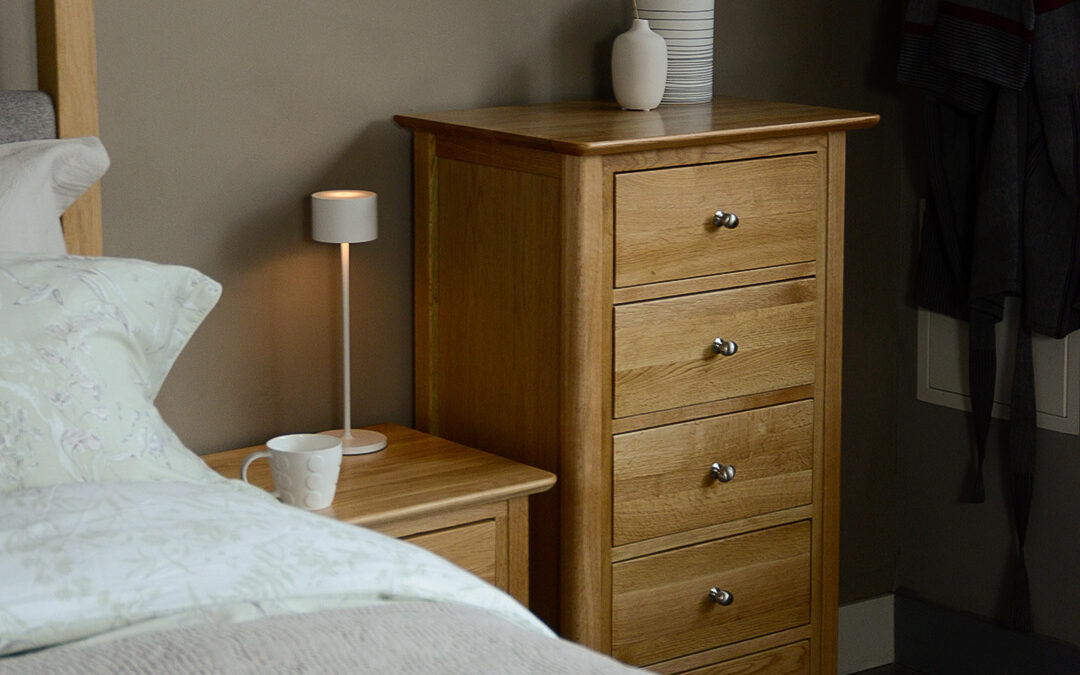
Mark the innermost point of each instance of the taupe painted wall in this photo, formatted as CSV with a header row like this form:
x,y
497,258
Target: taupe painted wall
x,y
221,117
17,45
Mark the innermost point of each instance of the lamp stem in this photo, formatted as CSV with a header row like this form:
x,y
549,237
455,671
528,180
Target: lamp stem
x,y
345,342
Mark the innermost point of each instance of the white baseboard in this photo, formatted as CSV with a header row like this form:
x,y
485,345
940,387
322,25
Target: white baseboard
x,y
866,637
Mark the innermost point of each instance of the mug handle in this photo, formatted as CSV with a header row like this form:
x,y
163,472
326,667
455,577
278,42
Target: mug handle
x,y
247,462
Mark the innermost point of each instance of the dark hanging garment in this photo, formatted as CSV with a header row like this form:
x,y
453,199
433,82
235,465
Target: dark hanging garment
x,y
1002,120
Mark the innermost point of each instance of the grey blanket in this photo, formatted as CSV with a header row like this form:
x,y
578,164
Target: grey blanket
x,y
398,638
26,116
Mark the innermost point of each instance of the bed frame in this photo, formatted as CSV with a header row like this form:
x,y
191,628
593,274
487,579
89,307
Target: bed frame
x,y
67,71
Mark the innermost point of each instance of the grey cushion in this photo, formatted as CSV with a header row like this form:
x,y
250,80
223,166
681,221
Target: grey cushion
x,y
26,116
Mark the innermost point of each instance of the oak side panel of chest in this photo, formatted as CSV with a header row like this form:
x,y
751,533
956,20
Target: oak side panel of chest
x,y
487,323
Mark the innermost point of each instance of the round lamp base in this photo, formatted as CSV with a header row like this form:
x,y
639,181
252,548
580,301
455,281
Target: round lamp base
x,y
359,441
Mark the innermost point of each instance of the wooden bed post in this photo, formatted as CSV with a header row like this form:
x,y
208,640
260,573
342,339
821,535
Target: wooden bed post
x,y
67,71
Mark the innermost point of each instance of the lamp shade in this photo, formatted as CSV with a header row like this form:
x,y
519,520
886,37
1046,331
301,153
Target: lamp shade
x,y
344,216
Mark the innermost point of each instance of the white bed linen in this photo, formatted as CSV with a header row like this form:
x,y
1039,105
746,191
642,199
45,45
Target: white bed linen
x,y
107,559
38,181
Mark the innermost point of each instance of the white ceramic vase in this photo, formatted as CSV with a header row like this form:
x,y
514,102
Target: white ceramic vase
x,y
639,67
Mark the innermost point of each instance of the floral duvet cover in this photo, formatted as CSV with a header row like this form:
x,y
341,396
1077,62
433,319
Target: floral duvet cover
x,y
102,560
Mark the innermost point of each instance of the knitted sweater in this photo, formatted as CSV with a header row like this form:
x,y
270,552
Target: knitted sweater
x,y
1004,137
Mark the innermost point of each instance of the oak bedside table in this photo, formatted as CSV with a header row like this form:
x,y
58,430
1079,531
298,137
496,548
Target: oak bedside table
x,y
467,506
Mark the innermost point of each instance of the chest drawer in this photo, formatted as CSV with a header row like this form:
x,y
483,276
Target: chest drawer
x,y
787,660
665,482
664,349
661,603
665,227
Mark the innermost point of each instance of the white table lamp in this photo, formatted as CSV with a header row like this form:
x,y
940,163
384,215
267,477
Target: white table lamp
x,y
343,217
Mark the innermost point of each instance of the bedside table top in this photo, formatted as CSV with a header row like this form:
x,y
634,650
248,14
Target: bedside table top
x,y
416,475
601,127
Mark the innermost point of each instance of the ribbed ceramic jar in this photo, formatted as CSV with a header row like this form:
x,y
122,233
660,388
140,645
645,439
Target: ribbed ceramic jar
x,y
687,26
639,67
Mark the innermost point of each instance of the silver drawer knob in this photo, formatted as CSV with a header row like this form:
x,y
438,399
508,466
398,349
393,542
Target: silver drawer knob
x,y
725,347
720,596
722,472
725,219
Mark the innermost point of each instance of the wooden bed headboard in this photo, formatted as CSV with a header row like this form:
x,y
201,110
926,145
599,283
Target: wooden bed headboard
x,y
67,71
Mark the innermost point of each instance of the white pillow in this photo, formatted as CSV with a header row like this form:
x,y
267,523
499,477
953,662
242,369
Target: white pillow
x,y
38,181
85,345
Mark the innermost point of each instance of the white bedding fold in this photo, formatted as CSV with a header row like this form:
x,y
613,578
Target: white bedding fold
x,y
108,559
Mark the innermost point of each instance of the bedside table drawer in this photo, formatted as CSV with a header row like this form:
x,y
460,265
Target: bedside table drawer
x,y
664,218
665,482
664,355
662,607
471,547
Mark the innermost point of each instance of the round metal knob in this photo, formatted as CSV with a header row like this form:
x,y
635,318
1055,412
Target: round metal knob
x,y
725,219
720,596
725,347
722,472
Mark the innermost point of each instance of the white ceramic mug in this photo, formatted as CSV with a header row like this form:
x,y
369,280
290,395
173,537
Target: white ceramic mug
x,y
305,468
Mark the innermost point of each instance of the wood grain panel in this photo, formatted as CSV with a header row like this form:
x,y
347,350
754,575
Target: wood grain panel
x,y
425,284
701,535
67,71
601,127
498,332
585,438
502,156
708,154
832,374
517,548
732,651
663,348
728,405
662,476
661,603
471,547
664,218
788,660
713,282
440,520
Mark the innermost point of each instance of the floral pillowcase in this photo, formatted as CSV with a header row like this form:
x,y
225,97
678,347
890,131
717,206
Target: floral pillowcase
x,y
85,345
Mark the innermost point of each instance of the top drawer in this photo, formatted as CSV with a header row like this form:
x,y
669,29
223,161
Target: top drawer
x,y
664,218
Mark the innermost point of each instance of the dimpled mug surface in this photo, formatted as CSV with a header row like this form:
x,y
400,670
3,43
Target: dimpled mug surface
x,y
304,467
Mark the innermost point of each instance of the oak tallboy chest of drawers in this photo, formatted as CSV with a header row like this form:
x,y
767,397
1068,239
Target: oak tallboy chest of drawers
x,y
649,305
